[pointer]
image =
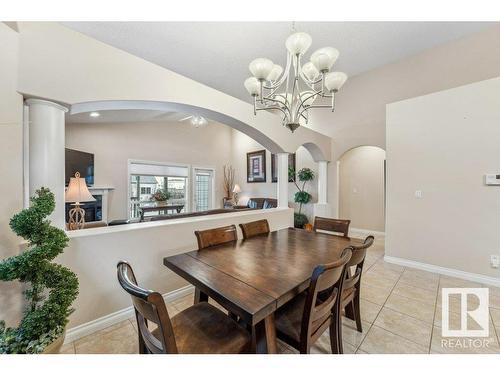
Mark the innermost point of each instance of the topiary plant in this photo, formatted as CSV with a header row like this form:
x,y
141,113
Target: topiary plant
x,y
52,288
302,196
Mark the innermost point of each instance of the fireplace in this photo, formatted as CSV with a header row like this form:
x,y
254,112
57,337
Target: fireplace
x,y
93,210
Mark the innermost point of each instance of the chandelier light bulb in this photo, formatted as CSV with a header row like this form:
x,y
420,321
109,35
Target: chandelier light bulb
x,y
335,80
324,58
310,71
275,73
252,85
298,43
261,68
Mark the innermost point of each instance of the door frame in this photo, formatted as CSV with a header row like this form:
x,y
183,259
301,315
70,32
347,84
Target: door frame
x,y
193,184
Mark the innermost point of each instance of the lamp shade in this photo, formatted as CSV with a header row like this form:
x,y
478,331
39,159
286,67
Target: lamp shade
x,y
298,43
236,189
335,80
77,190
310,71
324,58
275,73
261,68
252,85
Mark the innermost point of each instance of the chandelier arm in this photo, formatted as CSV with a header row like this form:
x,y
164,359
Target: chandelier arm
x,y
280,108
302,105
284,75
315,106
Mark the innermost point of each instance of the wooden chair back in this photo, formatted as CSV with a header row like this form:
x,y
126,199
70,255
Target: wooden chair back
x,y
215,236
254,228
332,225
149,306
353,278
318,312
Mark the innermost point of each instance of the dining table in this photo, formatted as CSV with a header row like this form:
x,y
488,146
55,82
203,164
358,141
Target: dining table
x,y
254,277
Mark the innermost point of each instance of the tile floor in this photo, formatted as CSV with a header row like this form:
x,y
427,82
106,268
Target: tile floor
x,y
400,308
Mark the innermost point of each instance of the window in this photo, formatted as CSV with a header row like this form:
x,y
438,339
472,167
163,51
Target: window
x,y
146,179
203,189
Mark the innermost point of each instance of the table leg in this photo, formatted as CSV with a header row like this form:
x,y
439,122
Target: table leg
x,y
199,296
265,336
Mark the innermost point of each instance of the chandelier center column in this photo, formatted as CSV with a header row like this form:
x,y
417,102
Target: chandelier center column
x,y
282,159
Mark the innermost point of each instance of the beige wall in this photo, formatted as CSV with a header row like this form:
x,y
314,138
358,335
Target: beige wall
x,y
443,144
11,166
241,144
114,144
362,187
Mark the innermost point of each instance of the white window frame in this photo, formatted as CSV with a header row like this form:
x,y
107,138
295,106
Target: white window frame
x,y
189,198
193,185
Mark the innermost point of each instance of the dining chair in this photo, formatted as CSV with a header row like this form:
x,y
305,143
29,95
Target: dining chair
x,y
351,288
216,236
200,329
213,237
254,228
303,320
332,225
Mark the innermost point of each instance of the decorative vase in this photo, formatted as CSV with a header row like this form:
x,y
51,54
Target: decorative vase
x,y
55,346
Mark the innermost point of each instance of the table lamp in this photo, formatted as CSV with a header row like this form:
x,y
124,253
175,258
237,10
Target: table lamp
x,y
76,193
236,191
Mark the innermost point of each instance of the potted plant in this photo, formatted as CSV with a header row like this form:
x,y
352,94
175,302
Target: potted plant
x,y
51,288
161,195
301,196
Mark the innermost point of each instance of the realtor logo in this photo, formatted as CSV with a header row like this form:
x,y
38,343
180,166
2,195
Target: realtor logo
x,y
472,306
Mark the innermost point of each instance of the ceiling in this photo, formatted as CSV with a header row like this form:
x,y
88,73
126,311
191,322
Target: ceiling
x,y
217,53
125,115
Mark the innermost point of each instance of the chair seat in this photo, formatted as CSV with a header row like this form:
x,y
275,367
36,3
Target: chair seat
x,y
288,318
204,329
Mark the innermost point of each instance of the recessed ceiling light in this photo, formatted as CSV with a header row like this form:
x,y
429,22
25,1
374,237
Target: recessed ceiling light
x,y
94,114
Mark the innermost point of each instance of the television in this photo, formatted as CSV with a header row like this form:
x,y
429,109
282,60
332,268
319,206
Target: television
x,y
79,161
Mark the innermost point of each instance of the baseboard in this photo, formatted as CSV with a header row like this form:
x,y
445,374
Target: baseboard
x,y
475,277
93,326
353,232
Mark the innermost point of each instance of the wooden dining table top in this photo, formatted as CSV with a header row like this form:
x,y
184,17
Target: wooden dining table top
x,y
258,275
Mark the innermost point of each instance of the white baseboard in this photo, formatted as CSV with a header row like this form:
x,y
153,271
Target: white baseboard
x,y
358,232
475,277
93,326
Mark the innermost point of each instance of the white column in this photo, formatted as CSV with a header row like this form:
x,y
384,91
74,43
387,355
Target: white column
x,y
46,152
322,182
322,208
282,180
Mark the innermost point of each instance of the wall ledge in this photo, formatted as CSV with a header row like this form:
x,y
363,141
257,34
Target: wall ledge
x,y
469,276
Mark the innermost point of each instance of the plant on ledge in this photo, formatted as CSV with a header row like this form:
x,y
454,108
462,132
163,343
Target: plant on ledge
x,y
301,196
51,288
161,195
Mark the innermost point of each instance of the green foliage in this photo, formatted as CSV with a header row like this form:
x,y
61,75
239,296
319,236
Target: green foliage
x,y
305,174
301,196
162,195
52,288
299,220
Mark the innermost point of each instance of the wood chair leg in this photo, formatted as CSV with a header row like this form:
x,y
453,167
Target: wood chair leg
x,y
357,313
336,337
349,311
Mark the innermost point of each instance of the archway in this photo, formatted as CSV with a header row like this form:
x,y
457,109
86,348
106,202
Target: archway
x,y
361,187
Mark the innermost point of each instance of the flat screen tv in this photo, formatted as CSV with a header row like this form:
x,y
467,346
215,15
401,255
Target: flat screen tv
x,y
79,161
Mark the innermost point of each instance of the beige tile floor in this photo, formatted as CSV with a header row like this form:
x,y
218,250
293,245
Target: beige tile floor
x,y
400,308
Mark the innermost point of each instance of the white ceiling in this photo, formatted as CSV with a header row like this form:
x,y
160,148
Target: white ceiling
x,y
125,115
217,53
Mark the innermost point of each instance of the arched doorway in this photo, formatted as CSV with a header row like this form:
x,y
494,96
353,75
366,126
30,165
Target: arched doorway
x,y
362,187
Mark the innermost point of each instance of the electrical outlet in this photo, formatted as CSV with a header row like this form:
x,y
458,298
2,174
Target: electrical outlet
x,y
418,194
495,261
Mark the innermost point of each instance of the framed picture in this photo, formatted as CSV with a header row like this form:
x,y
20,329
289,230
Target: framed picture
x,y
274,166
256,166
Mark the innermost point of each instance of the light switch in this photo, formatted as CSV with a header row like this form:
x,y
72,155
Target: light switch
x,y
419,194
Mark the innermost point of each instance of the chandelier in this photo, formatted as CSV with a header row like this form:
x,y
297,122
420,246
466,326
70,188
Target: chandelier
x,y
294,90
